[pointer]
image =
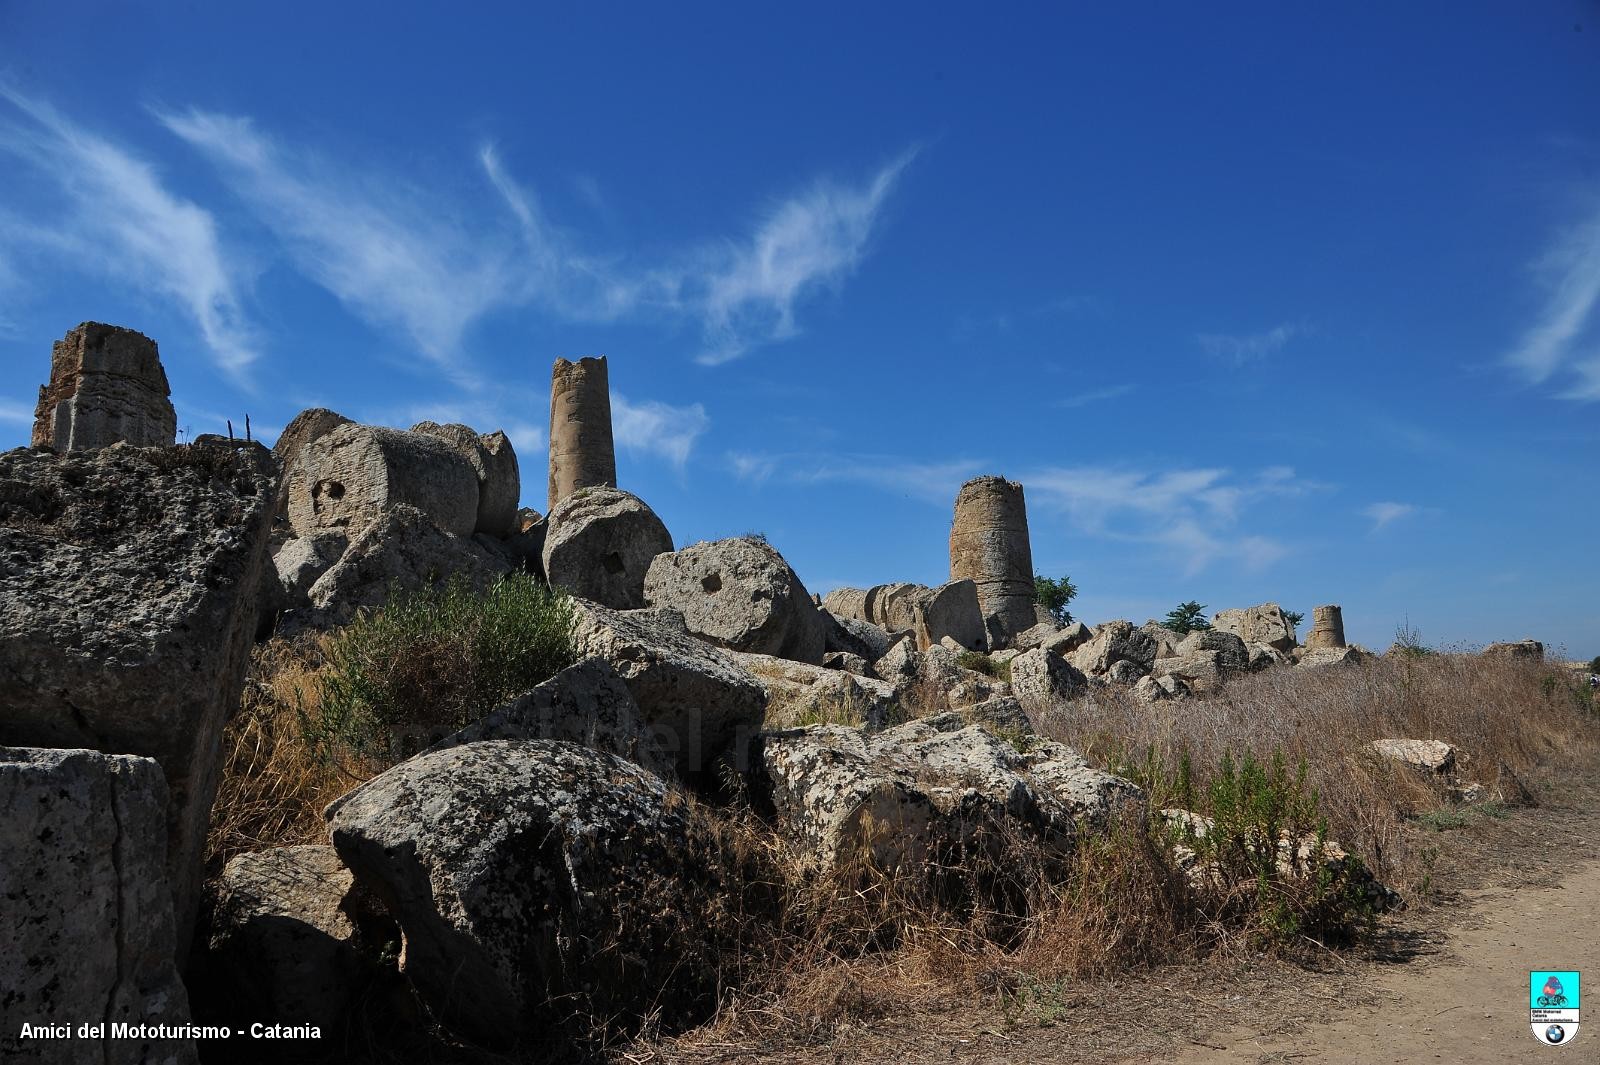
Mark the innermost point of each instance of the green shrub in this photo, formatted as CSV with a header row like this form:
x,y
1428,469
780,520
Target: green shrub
x,y
1408,642
430,662
979,662
1054,595
1594,664
1186,618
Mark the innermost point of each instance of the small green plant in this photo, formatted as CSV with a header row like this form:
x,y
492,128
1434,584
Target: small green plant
x,y
758,536
1186,618
979,662
1594,664
1054,595
433,661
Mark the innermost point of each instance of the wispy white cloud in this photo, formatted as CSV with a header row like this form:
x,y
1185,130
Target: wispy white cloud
x,y
392,253
1083,399
748,292
933,482
1247,348
657,428
1555,341
1382,515
115,215
14,413
1193,513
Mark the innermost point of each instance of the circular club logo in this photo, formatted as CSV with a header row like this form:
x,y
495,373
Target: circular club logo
x,y
1553,1005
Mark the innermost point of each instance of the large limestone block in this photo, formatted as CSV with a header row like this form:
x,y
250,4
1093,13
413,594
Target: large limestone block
x,y
129,580
582,454
950,611
587,704
1265,624
1113,642
1532,650
924,788
848,603
850,636
354,474
86,925
1042,681
106,386
400,548
290,938
1318,657
303,428
739,594
599,543
494,461
1434,757
989,546
798,693
298,562
697,699
534,881
1327,628
1232,655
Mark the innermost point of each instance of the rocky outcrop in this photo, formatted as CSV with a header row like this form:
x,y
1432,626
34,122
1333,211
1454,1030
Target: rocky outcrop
x,y
1042,682
1232,655
1265,624
128,587
1531,650
739,594
535,881
299,562
798,693
582,454
354,474
494,461
302,429
599,543
1113,642
587,704
85,907
401,549
697,699
291,938
1317,658
1327,628
106,387
1260,657
1432,757
989,546
1165,639
896,798
849,636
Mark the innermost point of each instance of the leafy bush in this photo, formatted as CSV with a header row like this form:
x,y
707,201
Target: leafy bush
x,y
1186,618
1054,595
434,661
1266,853
1294,618
979,662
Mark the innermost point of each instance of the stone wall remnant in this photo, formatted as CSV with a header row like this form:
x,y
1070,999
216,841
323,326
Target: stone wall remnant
x,y
349,477
989,546
1327,628
106,386
582,454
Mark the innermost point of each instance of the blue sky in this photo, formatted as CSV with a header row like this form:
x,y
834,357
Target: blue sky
x,y
1258,303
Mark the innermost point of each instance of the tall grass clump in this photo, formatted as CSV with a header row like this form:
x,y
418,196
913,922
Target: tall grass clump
x,y
434,661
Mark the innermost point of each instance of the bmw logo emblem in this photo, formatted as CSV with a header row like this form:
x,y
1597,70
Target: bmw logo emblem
x,y
1555,1033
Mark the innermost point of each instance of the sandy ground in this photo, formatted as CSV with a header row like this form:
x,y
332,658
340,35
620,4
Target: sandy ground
x,y
1468,1006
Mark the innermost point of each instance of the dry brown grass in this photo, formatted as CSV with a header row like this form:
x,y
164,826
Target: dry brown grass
x,y
274,780
1497,711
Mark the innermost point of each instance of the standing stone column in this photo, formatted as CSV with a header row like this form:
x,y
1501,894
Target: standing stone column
x,y
106,385
989,546
581,452
1327,628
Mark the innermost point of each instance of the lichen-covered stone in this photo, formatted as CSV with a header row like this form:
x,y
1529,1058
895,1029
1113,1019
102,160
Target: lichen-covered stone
x,y
739,594
894,798
354,474
698,701
86,921
1042,682
129,580
1265,624
494,461
599,543
535,881
798,692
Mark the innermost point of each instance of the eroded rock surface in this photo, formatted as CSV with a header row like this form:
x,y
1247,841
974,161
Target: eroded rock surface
x,y
599,543
535,880
106,386
739,594
129,580
86,918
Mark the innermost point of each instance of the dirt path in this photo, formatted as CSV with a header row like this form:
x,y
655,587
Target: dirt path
x,y
1468,1006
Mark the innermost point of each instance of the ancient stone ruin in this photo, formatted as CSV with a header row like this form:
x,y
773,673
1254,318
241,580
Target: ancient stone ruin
x,y
1327,629
581,451
106,386
989,546
356,473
